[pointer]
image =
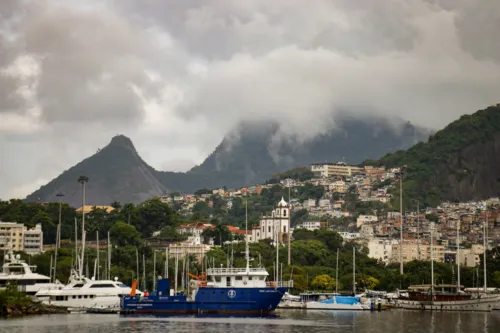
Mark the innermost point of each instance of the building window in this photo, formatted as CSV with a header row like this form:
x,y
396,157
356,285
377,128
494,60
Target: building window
x,y
269,229
284,212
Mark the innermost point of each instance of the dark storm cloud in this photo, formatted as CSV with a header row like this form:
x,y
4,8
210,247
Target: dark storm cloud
x,y
176,76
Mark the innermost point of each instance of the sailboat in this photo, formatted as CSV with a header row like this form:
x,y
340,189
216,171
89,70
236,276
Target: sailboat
x,y
341,302
445,297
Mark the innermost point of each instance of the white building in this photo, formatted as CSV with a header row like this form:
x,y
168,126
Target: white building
x,y
33,240
349,235
18,237
276,226
381,249
366,231
312,225
364,219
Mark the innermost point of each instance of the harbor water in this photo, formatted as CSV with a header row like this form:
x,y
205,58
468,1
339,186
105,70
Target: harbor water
x,y
289,321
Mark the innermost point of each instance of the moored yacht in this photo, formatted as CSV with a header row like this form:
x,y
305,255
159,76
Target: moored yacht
x,y
83,294
17,271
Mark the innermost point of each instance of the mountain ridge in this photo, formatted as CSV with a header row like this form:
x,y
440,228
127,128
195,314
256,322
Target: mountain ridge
x,y
249,155
457,163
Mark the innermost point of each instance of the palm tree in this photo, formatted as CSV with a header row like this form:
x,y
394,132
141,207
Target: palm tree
x,y
116,205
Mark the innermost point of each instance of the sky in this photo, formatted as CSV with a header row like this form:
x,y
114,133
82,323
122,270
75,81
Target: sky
x,y
176,76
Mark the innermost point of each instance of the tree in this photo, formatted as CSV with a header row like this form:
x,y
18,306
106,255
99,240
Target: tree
x,y
116,205
171,234
323,282
125,234
48,227
201,210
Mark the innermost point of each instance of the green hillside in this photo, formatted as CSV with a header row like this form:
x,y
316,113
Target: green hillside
x,y
458,163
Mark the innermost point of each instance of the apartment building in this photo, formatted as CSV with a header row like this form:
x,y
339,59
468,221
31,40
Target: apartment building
x,y
411,250
18,237
335,169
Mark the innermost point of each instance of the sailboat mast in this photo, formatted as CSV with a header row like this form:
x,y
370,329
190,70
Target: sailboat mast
x,y
98,261
458,255
337,274
354,270
401,221
432,259
137,264
484,245
154,270
247,254
109,257
77,262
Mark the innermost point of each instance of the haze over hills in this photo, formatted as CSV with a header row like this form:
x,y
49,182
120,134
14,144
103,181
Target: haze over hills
x,y
459,163
251,154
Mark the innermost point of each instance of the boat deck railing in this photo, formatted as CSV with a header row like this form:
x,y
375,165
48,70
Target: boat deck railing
x,y
231,271
280,284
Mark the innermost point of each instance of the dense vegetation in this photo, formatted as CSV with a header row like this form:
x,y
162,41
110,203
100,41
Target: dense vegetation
x,y
131,228
431,167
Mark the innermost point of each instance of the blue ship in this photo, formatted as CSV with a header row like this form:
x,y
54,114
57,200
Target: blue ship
x,y
233,291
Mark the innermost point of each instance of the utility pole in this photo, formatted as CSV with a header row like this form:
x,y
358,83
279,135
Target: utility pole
x,y
401,220
58,235
83,180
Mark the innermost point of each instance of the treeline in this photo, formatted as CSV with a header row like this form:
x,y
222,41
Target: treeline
x,y
144,219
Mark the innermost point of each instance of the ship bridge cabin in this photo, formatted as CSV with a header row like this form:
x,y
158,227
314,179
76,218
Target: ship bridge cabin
x,y
241,278
237,277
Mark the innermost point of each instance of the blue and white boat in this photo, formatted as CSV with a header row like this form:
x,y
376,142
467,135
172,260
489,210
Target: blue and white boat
x,y
224,290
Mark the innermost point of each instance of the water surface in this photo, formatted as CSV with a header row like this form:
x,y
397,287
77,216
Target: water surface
x,y
286,321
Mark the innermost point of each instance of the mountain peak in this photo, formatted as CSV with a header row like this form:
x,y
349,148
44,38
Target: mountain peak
x,y
122,140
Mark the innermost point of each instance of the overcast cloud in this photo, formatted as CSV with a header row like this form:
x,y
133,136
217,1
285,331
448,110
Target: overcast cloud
x,y
175,76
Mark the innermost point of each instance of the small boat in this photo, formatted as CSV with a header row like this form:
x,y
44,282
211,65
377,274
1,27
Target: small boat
x,y
338,303
291,302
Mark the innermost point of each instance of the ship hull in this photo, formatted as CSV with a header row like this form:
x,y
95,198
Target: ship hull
x,y
251,301
473,305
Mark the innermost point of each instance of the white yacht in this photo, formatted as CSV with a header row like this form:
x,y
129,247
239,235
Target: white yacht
x,y
83,294
19,272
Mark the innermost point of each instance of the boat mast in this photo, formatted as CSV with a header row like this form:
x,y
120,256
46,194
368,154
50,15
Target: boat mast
x,y
247,254
418,228
166,262
401,220
77,262
98,261
109,257
83,180
432,260
154,270
58,236
137,265
484,245
458,255
337,274
354,270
